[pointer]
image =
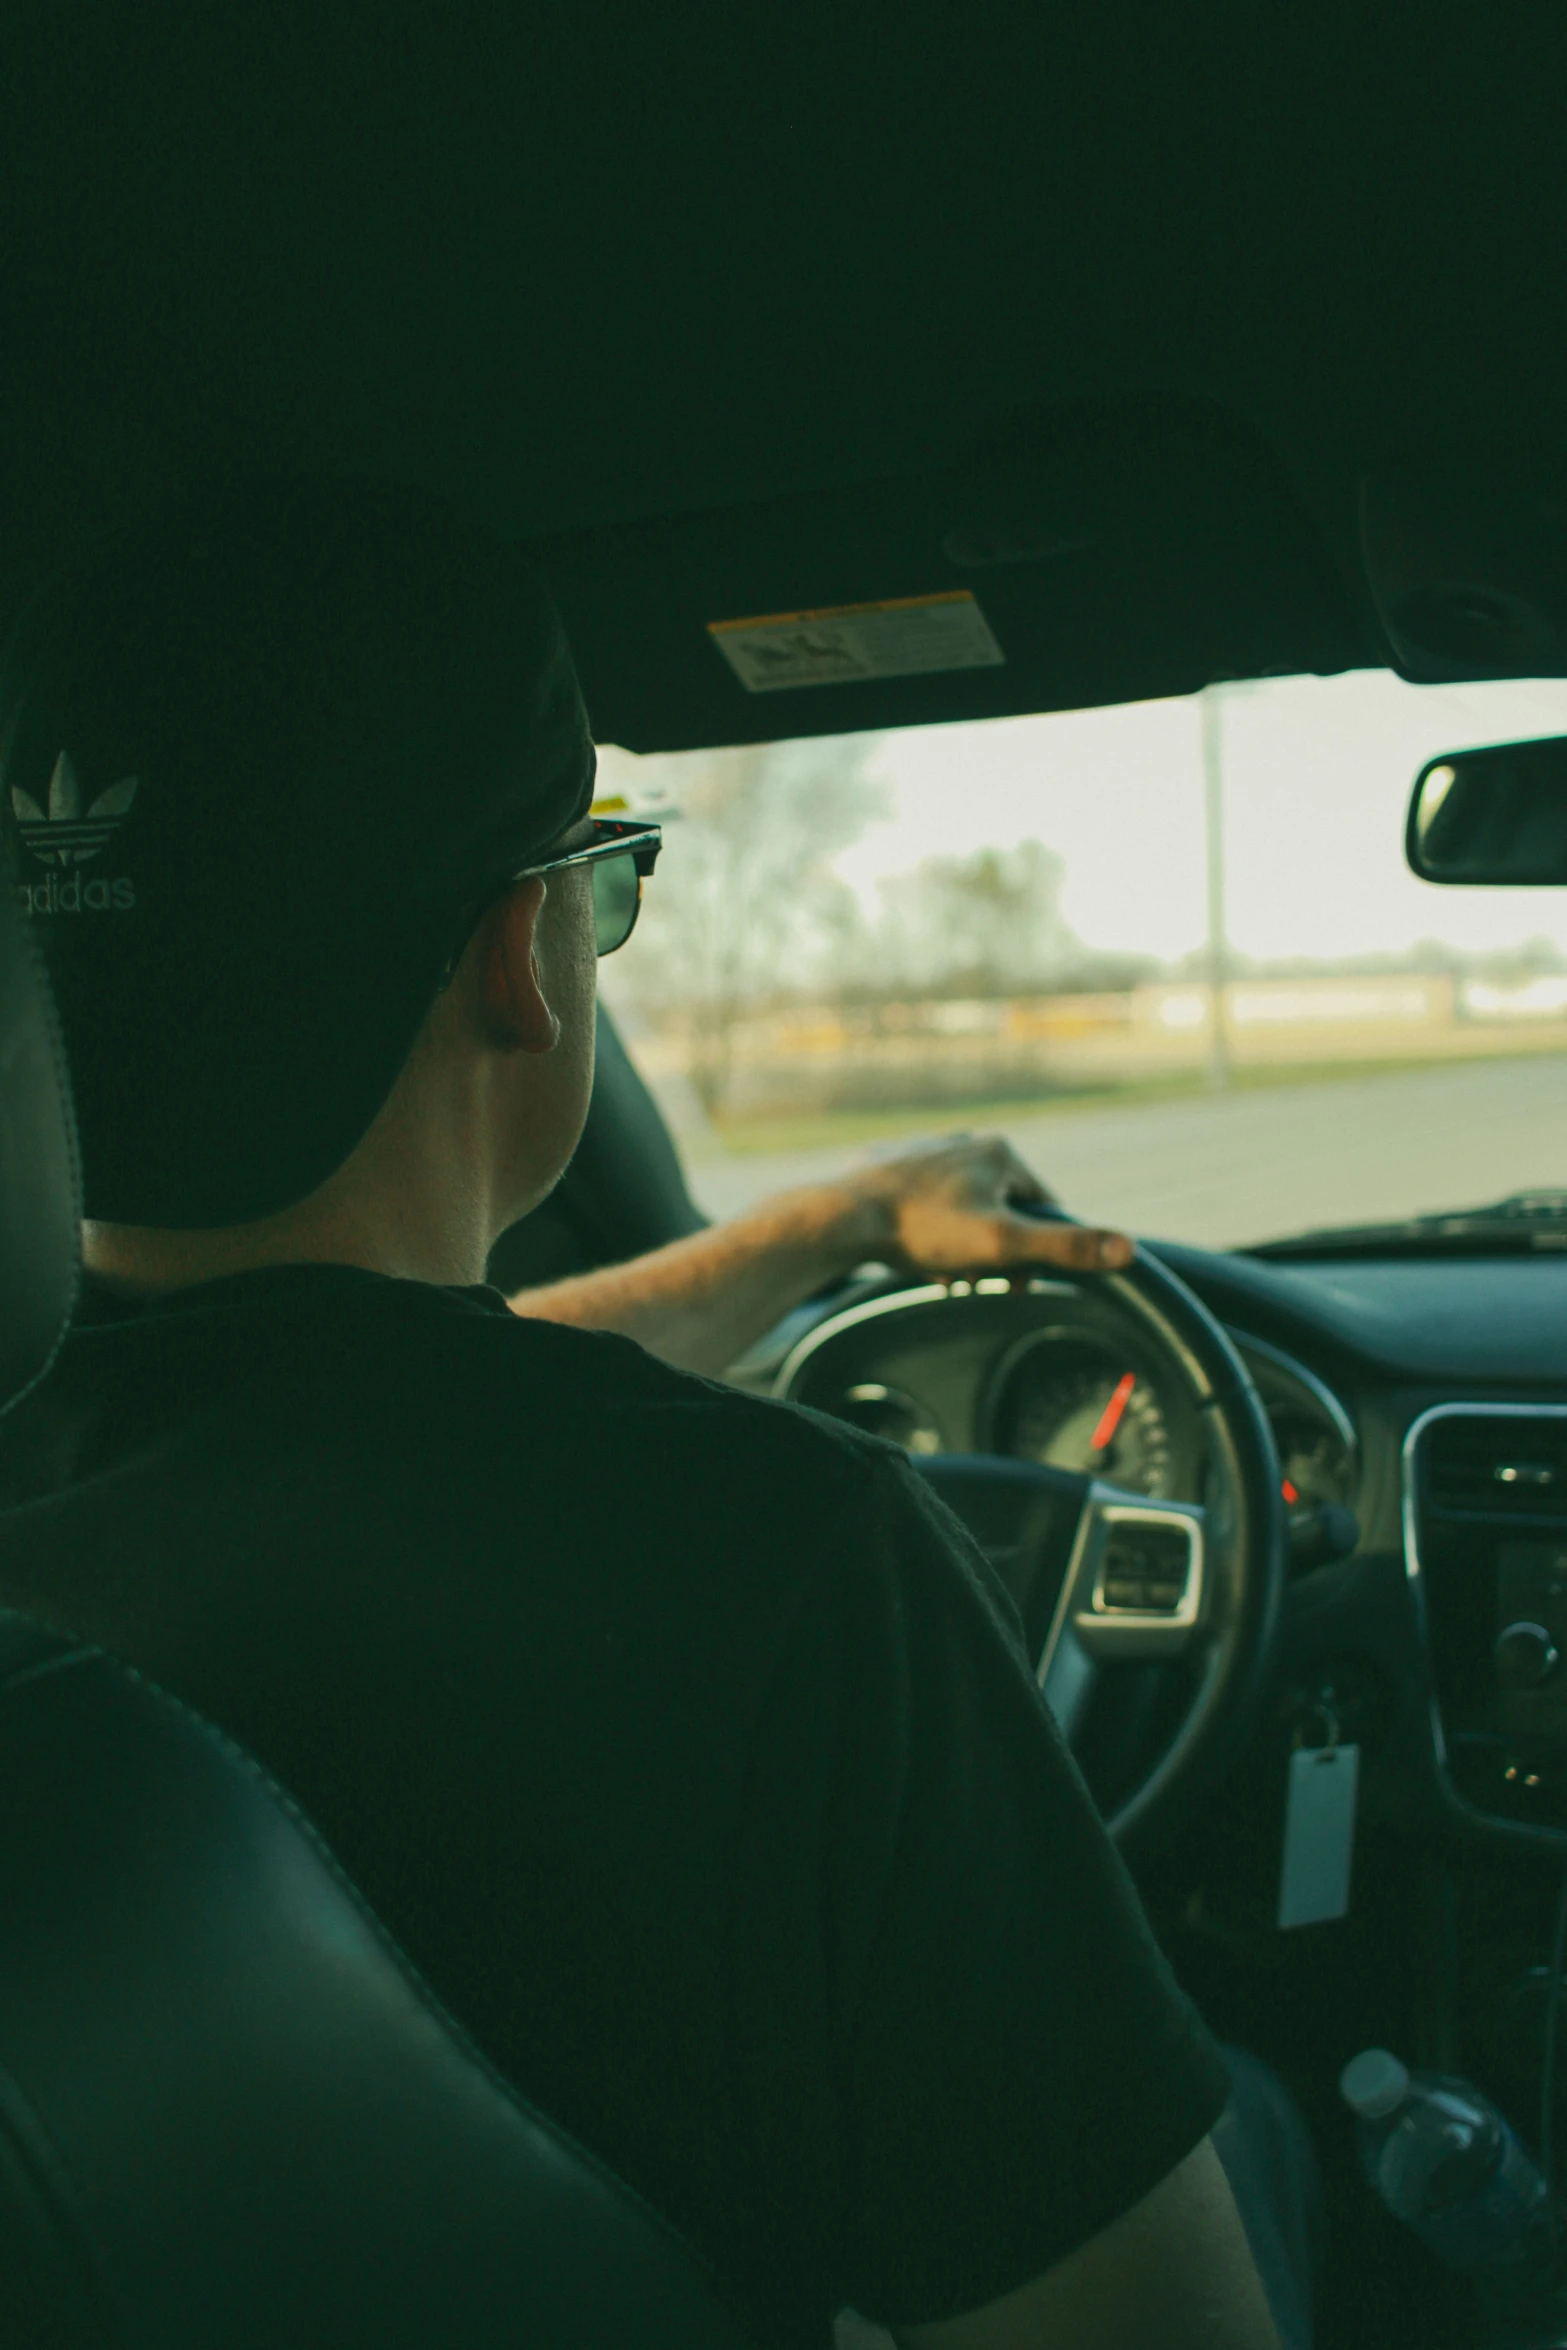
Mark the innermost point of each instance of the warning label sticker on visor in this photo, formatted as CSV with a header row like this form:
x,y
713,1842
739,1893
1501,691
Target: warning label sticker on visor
x,y
908,637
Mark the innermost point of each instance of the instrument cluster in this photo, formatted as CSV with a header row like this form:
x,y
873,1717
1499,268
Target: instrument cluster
x,y
1073,1390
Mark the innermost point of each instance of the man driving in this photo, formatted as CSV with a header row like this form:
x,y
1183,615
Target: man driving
x,y
684,1742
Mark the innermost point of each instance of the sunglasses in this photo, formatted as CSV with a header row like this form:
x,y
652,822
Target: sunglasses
x,y
620,856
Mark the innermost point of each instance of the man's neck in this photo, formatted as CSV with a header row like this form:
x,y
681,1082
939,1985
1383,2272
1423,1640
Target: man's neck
x,y
143,1261
408,1213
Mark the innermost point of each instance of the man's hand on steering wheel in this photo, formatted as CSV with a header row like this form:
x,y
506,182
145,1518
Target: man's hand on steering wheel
x,y
960,1205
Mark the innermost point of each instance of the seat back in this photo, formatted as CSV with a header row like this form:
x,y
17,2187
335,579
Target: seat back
x,y
230,2112
40,1228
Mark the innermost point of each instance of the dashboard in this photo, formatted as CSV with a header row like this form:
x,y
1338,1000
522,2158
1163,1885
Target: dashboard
x,y
1419,1411
1419,1407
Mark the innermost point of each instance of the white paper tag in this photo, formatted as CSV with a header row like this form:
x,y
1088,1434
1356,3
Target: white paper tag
x,y
911,636
1319,1834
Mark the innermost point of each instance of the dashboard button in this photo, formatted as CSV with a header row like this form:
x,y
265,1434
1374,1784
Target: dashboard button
x,y
1525,1656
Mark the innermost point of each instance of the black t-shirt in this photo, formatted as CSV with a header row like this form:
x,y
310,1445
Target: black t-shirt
x,y
683,1740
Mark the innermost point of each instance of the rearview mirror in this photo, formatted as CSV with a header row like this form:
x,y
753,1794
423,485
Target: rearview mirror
x,y
1497,815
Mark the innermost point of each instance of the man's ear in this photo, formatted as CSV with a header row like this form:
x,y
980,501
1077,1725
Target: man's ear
x,y
512,999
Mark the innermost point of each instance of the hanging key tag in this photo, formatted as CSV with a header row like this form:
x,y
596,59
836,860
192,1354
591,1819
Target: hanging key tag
x,y
1319,1831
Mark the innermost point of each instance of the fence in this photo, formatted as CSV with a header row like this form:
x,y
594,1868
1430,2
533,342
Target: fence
x,y
834,1056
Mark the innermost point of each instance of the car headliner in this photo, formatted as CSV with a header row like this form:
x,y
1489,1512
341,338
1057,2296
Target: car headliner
x,y
1194,342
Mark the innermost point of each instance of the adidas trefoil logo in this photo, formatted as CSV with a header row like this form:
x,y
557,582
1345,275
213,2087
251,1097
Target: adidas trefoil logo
x,y
66,834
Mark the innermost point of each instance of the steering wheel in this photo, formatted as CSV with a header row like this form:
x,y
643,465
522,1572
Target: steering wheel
x,y
1103,1576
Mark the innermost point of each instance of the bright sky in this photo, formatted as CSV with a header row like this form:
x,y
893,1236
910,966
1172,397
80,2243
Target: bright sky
x,y
1317,771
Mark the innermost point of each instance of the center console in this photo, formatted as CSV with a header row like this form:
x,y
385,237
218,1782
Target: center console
x,y
1485,1507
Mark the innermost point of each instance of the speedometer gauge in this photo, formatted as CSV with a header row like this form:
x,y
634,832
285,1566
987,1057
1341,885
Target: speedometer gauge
x,y
1072,1405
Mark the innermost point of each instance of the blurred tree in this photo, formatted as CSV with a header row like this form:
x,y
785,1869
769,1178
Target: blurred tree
x,y
745,908
985,925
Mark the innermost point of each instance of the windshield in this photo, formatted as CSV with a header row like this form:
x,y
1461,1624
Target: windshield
x,y
1171,949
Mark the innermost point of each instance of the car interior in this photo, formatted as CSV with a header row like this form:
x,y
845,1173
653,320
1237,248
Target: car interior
x,y
1139,350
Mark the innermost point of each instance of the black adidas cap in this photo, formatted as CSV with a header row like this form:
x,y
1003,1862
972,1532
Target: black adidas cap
x,y
260,765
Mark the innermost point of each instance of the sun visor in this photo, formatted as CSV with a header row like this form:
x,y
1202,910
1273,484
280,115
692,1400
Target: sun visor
x,y
1112,553
1468,565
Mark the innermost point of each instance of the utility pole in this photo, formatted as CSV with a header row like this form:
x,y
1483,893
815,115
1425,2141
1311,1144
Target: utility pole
x,y
1218,940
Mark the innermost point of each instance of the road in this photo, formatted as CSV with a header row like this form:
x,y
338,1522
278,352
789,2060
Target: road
x,y
1224,1169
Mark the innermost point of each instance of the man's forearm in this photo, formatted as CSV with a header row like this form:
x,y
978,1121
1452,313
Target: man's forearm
x,y
699,1303
964,1204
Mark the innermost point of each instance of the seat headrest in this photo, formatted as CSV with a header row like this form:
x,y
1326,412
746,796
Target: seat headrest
x,y
40,1228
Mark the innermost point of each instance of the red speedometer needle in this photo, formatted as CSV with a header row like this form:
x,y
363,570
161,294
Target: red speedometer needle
x,y
1104,1434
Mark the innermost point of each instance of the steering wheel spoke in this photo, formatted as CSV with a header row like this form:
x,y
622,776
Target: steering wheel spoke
x,y
1067,1674
1136,1584
1134,1589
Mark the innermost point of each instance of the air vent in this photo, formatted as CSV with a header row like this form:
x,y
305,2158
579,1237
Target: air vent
x,y
1512,1465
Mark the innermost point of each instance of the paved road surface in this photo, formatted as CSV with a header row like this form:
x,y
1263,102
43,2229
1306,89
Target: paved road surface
x,y
1225,1169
